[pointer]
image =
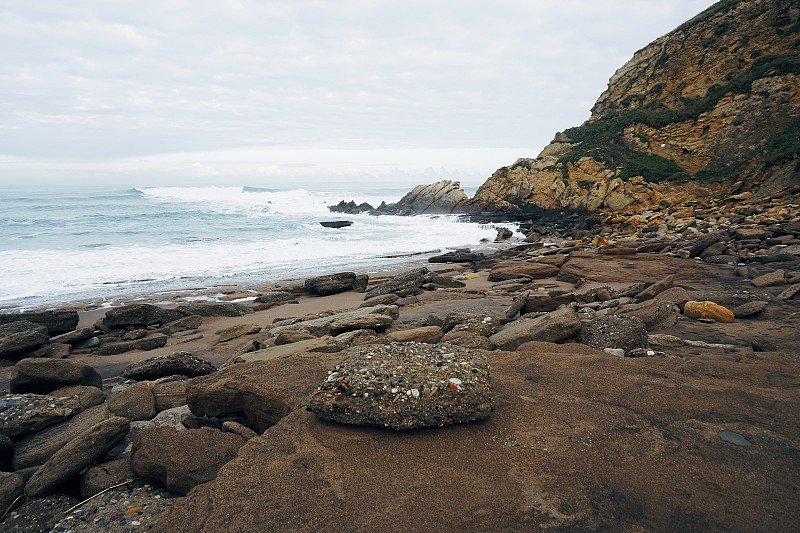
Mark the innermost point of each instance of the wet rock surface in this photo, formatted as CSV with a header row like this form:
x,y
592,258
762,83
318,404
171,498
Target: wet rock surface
x,y
406,386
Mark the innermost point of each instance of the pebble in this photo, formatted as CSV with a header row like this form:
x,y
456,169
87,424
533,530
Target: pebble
x,y
734,438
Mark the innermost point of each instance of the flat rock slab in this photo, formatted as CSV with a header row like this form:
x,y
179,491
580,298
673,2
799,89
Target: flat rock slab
x,y
405,386
42,376
19,338
56,322
182,363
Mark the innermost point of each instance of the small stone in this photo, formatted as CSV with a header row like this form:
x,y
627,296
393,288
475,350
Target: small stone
x,y
733,438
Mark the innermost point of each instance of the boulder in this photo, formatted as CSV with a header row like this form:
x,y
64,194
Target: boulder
x,y
410,283
140,315
379,316
425,334
656,288
677,295
73,337
556,326
239,330
36,449
704,242
336,224
275,298
406,386
238,391
19,338
290,336
180,460
621,332
749,309
42,376
22,414
102,476
56,322
86,396
11,486
521,269
229,309
177,363
538,302
655,314
188,323
457,256
158,340
51,351
133,403
707,309
771,279
79,453
6,452
330,284
465,324
440,198
169,393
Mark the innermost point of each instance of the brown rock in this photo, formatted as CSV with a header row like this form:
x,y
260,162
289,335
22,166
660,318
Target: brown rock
x,y
42,376
19,338
239,429
521,269
538,302
36,449
148,343
85,449
188,323
552,327
656,288
290,336
789,293
707,309
677,295
617,249
655,314
749,309
169,393
240,330
86,395
11,486
177,363
180,460
133,403
102,476
426,334
771,279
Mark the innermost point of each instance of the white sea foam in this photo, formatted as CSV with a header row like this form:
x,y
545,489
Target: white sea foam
x,y
140,258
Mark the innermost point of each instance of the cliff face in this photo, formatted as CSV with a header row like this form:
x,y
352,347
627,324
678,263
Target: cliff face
x,y
712,106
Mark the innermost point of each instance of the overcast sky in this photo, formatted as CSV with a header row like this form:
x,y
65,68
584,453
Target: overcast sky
x,y
273,93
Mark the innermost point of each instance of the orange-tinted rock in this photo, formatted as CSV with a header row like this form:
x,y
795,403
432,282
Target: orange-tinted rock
x,y
707,309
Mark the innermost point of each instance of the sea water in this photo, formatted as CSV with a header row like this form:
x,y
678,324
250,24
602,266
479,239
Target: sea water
x,y
60,246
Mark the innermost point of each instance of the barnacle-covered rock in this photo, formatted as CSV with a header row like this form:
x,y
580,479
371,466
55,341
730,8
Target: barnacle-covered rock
x,y
405,386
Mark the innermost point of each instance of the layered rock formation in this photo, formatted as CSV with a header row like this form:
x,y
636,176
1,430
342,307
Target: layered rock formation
x,y
441,198
708,110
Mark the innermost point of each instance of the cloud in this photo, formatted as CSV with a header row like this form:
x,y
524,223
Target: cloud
x,y
93,80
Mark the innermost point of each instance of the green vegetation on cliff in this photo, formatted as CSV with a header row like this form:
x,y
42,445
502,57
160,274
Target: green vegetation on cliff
x,y
602,138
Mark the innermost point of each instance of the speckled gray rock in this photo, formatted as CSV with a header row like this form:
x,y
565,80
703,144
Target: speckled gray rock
x,y
81,452
182,324
182,363
21,414
624,332
42,376
405,386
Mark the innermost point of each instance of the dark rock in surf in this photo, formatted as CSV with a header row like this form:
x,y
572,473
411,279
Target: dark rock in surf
x,y
336,224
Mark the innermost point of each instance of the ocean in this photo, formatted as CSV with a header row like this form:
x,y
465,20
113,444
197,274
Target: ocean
x,y
101,245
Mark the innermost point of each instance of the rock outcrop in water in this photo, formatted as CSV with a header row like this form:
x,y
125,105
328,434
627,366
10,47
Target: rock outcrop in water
x,y
708,110
441,198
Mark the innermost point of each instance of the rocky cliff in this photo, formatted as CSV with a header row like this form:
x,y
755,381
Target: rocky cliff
x,y
708,110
